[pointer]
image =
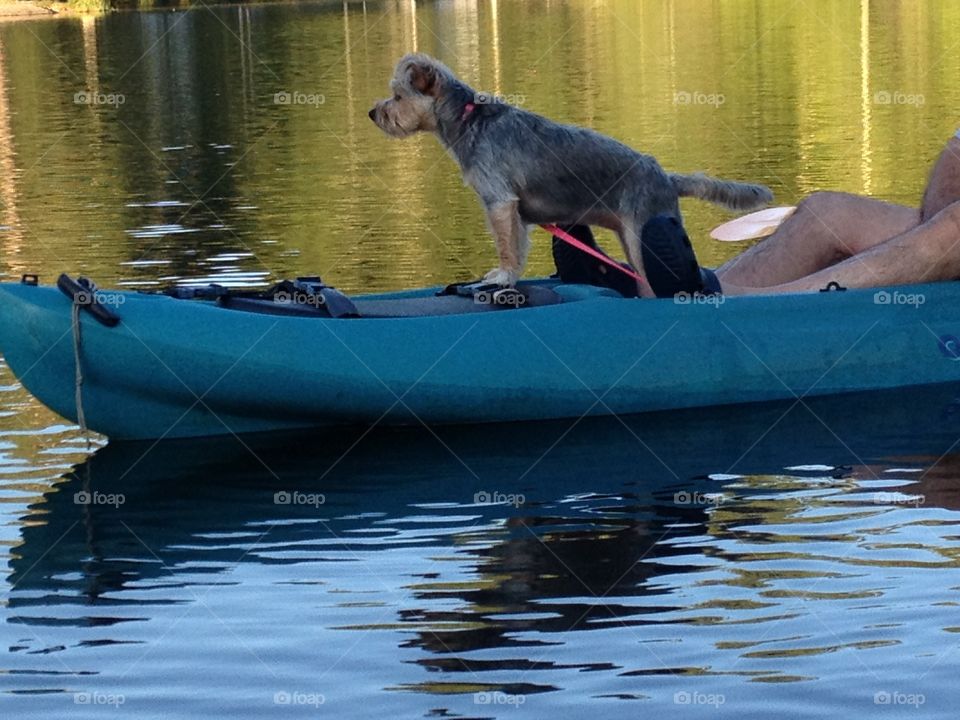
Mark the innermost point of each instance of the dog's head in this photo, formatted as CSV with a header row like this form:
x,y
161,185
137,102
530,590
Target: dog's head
x,y
420,87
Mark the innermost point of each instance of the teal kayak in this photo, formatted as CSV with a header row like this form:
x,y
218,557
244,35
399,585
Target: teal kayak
x,y
190,368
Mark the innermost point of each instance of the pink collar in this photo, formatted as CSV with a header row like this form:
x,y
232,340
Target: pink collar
x,y
467,111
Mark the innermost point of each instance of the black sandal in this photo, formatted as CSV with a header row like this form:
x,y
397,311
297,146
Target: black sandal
x,y
576,266
670,263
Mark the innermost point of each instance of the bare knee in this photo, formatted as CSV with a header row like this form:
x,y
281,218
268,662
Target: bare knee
x,y
823,221
950,216
822,204
943,188
936,244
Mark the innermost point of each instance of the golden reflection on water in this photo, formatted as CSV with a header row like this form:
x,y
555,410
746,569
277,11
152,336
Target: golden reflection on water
x,y
852,96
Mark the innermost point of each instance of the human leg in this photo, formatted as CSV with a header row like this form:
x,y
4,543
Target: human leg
x,y
926,253
827,228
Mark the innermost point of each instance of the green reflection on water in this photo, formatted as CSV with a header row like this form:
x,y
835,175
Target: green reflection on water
x,y
200,173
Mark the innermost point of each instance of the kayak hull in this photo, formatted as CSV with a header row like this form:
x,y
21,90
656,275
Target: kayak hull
x,y
177,368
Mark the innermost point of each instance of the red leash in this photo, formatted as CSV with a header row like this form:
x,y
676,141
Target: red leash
x,y
571,240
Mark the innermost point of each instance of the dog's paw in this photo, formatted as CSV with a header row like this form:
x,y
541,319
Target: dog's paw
x,y
498,276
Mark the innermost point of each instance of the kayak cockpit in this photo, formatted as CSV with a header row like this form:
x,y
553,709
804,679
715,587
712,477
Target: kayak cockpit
x,y
309,298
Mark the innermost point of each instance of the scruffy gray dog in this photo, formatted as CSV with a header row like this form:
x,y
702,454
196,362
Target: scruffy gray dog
x,y
527,169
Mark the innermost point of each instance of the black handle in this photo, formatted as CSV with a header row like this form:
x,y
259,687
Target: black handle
x,y
83,293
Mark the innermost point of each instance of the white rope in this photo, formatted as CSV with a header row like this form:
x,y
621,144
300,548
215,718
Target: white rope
x,y
78,373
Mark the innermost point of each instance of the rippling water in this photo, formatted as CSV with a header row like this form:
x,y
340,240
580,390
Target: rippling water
x,y
773,559
794,559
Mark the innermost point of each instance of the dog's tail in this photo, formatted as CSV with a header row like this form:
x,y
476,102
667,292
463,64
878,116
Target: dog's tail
x,y
732,195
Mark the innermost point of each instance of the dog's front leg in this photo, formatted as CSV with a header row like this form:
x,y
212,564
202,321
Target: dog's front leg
x,y
513,243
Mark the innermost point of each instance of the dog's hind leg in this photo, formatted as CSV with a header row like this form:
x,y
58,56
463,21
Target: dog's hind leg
x,y
629,236
513,243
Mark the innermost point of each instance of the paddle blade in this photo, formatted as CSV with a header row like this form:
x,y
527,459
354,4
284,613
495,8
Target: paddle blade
x,y
755,225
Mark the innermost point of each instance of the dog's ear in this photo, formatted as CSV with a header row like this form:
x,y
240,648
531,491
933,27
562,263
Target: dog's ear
x,y
424,77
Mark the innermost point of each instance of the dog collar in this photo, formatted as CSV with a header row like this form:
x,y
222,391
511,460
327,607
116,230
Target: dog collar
x,y
467,111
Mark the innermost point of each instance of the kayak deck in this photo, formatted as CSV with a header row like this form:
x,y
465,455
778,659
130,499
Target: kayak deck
x,y
528,295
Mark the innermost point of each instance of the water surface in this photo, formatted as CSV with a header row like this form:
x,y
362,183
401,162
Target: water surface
x,y
792,559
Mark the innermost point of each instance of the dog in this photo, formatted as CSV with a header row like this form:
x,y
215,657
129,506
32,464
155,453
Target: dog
x,y
529,170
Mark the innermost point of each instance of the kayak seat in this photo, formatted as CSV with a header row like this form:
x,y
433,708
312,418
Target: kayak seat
x,y
264,306
533,296
306,296
429,306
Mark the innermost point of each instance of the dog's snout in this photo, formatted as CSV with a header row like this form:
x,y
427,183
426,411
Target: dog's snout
x,y
373,114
